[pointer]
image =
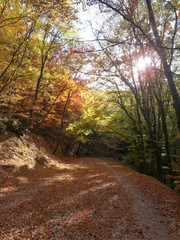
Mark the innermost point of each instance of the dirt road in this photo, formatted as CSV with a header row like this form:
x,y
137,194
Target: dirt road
x,y
86,199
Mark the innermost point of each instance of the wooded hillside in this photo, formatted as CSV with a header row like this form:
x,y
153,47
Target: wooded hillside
x,y
133,108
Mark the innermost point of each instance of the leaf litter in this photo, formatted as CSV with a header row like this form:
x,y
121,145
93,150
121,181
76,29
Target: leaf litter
x,y
83,199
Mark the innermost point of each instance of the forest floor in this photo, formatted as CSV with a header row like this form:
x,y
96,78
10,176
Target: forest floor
x,y
79,199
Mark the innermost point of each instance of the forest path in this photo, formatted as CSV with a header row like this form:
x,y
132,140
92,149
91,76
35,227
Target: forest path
x,y
88,198
146,217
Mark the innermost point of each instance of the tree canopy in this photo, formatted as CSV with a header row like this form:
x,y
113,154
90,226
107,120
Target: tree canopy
x,y
47,74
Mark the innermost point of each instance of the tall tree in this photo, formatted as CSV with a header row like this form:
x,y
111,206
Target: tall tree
x,y
38,63
135,13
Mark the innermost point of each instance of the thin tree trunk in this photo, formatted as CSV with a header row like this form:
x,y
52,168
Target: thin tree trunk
x,y
10,78
44,57
165,131
37,89
141,140
28,35
91,144
79,149
52,105
62,123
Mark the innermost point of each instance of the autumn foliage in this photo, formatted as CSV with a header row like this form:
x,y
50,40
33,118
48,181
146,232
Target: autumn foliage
x,y
43,82
39,66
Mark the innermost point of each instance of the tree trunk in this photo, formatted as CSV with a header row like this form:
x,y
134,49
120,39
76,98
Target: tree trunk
x,y
37,88
166,67
141,140
62,123
159,48
79,149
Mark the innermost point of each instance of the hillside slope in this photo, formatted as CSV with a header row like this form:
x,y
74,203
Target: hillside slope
x,y
43,197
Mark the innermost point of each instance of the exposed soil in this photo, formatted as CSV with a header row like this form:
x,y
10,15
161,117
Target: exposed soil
x,y
81,199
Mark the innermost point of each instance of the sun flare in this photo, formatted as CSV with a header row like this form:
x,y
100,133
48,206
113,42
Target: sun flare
x,y
142,63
